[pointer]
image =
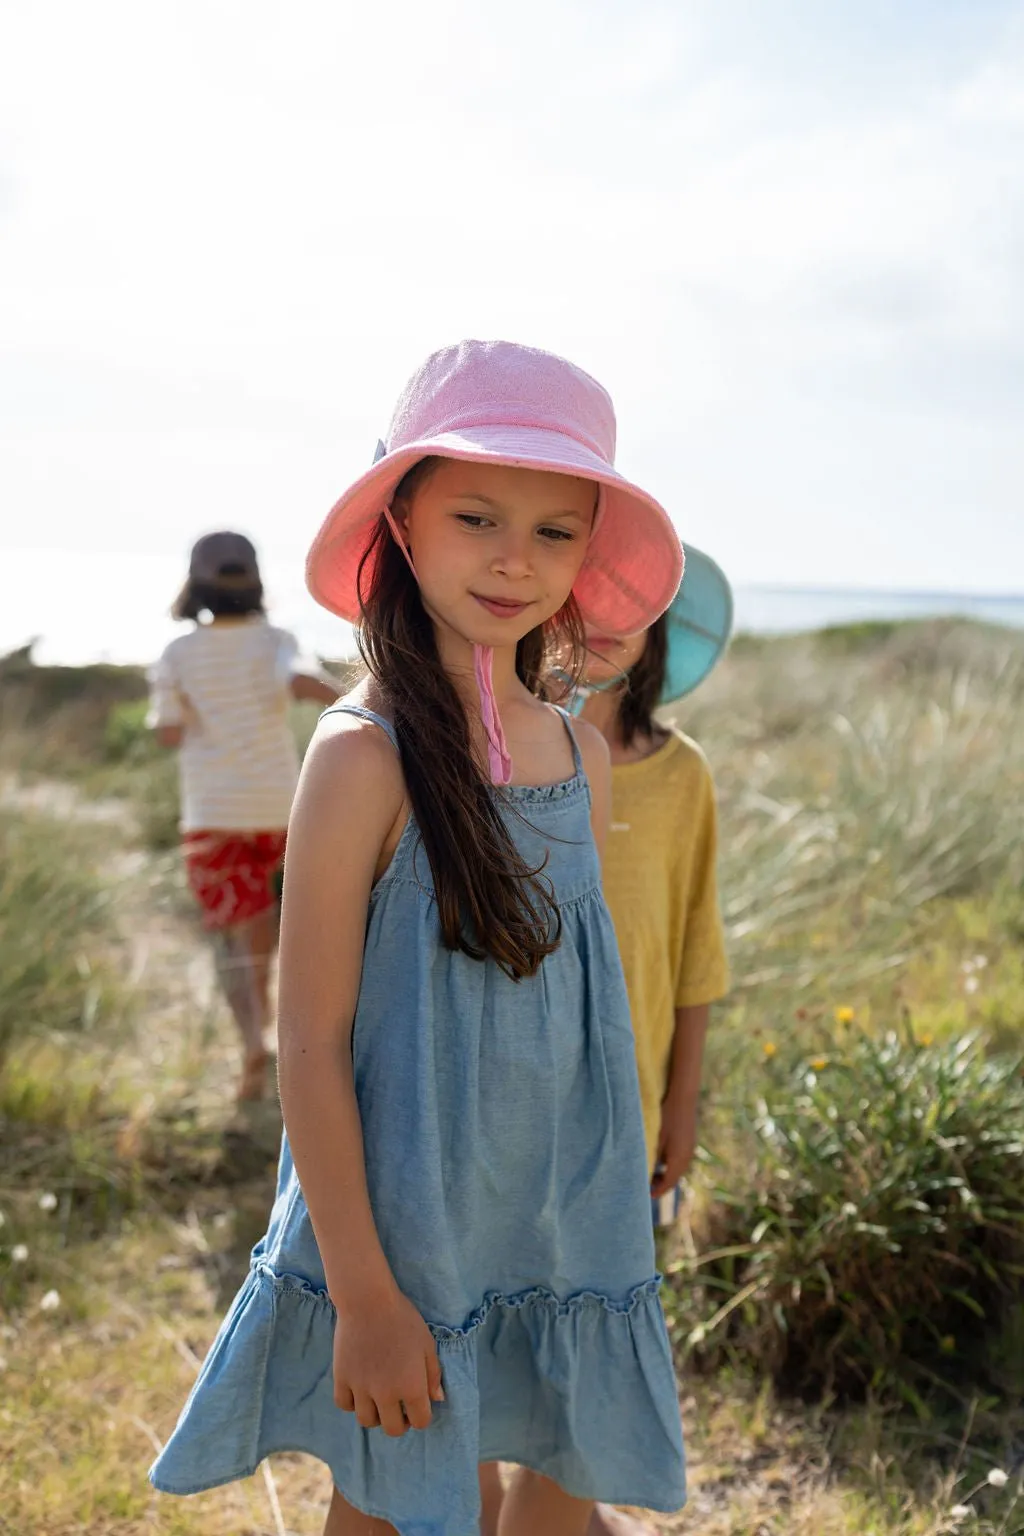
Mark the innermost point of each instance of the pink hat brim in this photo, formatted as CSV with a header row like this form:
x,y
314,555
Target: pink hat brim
x,y
634,560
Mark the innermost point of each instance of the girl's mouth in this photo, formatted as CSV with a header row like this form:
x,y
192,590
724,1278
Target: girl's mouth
x,y
501,607
603,643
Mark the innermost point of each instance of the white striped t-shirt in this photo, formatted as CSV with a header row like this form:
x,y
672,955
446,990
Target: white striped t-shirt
x,y
228,685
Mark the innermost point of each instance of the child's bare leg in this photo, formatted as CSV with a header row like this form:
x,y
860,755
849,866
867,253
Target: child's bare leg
x,y
535,1506
491,1496
262,932
343,1520
242,977
606,1521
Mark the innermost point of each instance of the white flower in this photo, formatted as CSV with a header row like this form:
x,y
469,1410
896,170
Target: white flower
x,y
50,1302
48,1202
980,962
972,984
19,1253
997,1478
960,1512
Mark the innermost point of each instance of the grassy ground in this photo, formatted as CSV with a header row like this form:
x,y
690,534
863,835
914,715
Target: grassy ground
x,y
870,784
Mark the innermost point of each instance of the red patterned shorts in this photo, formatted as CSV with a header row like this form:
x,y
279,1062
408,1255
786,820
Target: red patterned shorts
x,y
232,874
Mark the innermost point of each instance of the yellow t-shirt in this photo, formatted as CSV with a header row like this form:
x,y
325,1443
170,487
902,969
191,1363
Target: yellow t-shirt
x,y
659,882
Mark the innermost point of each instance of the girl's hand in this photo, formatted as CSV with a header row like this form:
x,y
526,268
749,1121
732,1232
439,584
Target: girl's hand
x,y
386,1369
677,1142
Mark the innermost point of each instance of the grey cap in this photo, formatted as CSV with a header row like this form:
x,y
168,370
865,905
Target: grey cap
x,y
225,560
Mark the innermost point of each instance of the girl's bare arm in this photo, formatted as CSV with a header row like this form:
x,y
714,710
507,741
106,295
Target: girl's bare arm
x,y
677,1136
307,689
350,794
349,803
598,767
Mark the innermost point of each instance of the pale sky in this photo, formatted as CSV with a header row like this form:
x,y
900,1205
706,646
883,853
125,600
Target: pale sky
x,y
788,235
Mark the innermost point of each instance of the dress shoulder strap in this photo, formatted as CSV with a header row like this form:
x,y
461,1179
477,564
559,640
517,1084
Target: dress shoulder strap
x,y
365,714
577,756
362,713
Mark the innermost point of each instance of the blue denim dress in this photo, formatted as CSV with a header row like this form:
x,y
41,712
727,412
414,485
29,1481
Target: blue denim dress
x,y
508,1180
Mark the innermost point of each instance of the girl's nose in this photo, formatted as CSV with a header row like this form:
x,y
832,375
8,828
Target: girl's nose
x,y
513,556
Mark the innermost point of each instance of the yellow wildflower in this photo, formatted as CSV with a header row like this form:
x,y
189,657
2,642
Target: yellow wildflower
x,y
947,1344
925,1040
769,1047
819,1063
844,1015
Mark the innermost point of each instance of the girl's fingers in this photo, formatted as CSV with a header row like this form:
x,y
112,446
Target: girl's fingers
x,y
366,1411
344,1398
417,1411
392,1420
435,1386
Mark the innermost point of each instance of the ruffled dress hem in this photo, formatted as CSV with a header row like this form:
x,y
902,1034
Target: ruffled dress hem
x,y
568,1387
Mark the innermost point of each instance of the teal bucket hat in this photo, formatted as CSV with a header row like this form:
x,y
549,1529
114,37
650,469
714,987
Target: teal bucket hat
x,y
699,625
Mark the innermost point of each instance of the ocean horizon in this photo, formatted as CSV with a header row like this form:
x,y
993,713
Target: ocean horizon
x,y
758,610
779,610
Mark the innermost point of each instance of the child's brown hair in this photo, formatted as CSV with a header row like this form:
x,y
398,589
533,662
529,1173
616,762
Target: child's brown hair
x,y
644,685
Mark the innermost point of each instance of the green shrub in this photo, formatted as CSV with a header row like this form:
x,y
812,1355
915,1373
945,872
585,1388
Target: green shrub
x,y
126,737
877,1243
155,793
851,803
54,919
862,635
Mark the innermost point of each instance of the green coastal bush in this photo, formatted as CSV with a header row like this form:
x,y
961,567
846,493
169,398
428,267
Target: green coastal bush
x,y
876,1246
54,921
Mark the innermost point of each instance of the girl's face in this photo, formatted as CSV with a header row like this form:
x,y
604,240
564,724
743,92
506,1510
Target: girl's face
x,y
496,549
610,656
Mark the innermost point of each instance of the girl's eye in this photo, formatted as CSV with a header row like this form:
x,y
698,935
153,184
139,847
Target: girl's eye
x,y
557,535
472,519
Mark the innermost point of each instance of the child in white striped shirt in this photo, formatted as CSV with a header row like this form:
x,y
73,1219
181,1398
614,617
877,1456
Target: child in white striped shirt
x,y
220,695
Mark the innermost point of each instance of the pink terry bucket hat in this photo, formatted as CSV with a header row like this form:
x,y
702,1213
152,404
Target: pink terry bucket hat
x,y
494,402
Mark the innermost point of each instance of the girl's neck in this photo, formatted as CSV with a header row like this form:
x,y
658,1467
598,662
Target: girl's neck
x,y
602,710
459,662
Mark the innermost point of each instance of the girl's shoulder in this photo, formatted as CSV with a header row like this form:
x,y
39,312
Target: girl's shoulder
x,y
688,754
357,734
675,774
351,766
685,781
174,651
593,747
280,639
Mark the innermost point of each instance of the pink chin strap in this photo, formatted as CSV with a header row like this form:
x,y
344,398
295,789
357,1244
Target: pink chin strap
x,y
499,763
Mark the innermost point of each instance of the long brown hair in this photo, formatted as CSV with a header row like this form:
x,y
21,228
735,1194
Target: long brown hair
x,y
490,902
644,685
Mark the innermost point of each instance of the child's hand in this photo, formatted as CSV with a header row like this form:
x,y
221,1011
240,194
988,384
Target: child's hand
x,y
677,1142
386,1369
